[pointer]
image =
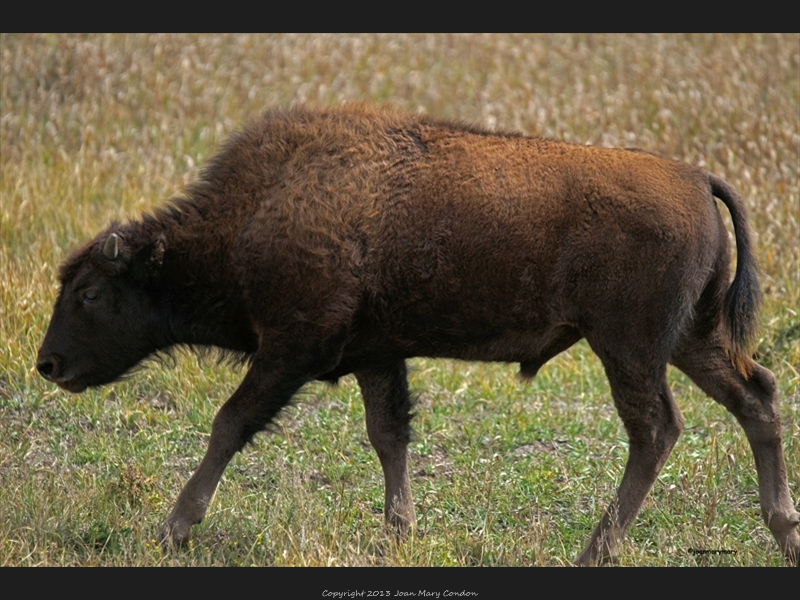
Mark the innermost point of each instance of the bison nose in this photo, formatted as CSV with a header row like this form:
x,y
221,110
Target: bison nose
x,y
48,367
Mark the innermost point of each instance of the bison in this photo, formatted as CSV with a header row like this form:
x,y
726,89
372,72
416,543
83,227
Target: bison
x,y
318,243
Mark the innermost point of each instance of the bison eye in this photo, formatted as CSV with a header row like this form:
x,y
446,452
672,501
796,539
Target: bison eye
x,y
90,295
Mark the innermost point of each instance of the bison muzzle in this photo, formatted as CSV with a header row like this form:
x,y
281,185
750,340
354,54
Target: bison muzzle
x,y
319,243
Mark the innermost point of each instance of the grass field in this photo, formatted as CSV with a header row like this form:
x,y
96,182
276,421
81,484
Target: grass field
x,y
96,128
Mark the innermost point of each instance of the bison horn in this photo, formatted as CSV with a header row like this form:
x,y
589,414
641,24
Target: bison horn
x,y
111,247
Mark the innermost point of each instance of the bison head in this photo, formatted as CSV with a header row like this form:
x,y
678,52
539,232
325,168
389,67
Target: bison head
x,y
105,319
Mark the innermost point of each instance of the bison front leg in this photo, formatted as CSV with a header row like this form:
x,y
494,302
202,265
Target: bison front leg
x,y
387,406
262,393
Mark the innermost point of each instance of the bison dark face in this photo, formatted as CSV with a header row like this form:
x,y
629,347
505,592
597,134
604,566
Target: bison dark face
x,y
104,321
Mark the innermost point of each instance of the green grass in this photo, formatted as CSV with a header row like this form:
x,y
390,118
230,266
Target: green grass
x,y
96,128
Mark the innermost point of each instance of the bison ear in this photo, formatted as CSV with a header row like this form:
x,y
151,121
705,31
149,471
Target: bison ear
x,y
157,250
148,261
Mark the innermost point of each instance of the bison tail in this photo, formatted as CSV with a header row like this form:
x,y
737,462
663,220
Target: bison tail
x,y
743,298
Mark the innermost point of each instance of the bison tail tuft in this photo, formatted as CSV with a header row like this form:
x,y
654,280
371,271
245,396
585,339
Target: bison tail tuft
x,y
743,298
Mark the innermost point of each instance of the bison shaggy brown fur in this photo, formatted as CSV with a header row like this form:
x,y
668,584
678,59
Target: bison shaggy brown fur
x,y
319,243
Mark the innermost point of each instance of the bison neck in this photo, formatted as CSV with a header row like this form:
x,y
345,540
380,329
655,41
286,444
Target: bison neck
x,y
205,307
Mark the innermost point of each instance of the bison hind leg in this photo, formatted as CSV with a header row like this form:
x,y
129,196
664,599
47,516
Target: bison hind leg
x,y
387,406
751,395
653,423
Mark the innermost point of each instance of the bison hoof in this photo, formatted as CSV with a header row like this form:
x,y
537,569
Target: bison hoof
x,y
400,531
793,557
401,527
792,552
791,547
605,560
174,535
